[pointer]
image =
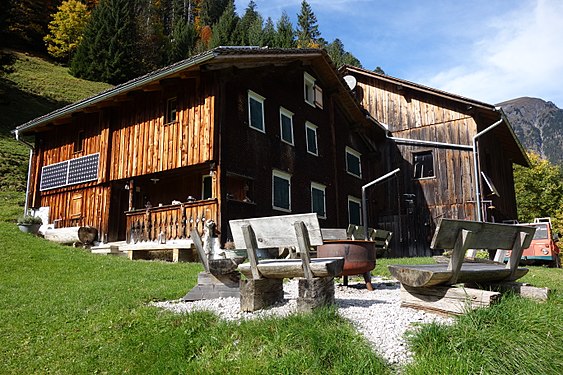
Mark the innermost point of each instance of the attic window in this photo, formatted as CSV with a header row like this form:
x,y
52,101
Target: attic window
x,y
313,93
79,142
423,165
171,108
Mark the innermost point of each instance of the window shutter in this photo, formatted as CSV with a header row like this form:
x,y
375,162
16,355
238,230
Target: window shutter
x,y
318,97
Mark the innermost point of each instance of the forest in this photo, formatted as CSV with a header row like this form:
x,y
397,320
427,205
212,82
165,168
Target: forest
x,y
116,40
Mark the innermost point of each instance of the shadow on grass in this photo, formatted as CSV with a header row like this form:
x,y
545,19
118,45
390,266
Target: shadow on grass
x,y
18,106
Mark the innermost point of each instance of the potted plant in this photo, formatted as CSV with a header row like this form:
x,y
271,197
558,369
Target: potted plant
x,y
29,224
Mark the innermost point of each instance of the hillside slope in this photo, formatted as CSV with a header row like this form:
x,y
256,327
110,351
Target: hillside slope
x,y
34,87
539,126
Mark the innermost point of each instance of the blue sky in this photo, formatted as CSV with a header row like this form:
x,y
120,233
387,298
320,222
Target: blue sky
x,y
487,50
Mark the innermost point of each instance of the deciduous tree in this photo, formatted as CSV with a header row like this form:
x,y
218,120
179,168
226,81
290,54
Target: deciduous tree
x,y
66,29
539,190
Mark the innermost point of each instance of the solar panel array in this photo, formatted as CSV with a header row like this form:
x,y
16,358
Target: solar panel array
x,y
70,172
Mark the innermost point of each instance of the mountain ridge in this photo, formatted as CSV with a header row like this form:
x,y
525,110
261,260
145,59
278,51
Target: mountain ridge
x,y
538,124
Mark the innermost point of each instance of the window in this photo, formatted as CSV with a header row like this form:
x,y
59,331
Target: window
x,y
354,211
423,165
311,134
318,200
171,108
353,164
312,92
256,111
239,188
286,126
79,142
281,191
206,187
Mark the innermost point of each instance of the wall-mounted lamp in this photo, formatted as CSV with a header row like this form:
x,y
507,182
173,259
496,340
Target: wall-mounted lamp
x,y
155,180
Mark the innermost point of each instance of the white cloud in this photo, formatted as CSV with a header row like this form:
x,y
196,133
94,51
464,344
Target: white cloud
x,y
520,55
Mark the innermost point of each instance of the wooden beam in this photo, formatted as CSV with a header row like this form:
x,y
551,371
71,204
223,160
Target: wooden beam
x,y
251,247
447,299
304,248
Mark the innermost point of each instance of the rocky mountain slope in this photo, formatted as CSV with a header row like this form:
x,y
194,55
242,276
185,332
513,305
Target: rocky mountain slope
x,y
539,126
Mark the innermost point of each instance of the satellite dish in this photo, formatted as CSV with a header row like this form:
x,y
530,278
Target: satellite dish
x,y
350,81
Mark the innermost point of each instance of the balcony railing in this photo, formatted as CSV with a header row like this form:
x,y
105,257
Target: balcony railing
x,y
170,222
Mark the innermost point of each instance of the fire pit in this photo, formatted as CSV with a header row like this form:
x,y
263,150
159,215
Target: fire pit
x,y
359,257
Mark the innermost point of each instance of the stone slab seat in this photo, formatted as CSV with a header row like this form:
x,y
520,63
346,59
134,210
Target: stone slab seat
x,y
263,286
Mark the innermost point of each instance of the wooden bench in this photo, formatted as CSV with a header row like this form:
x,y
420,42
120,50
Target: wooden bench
x,y
180,253
380,237
429,286
264,284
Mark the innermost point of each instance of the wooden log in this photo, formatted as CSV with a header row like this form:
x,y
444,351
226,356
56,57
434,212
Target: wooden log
x,y
437,274
450,300
259,294
316,292
524,290
70,235
285,268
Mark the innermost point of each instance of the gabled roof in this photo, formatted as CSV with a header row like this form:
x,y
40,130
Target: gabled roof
x,y
487,112
219,58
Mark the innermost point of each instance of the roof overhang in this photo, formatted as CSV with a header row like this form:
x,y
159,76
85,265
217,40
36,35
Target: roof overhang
x,y
216,59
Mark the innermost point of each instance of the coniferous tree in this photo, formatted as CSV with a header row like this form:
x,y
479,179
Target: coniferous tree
x,y
151,43
340,56
182,42
66,29
255,33
285,35
247,22
224,29
308,34
269,33
211,11
107,52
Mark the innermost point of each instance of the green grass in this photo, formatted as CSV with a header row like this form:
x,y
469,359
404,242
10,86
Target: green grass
x,y
64,310
516,336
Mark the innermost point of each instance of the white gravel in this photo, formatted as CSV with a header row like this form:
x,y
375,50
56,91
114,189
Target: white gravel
x,y
377,315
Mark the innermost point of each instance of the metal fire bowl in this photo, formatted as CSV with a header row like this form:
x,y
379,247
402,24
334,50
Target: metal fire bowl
x,y
359,256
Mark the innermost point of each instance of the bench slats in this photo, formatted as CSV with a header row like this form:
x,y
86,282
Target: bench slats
x,y
285,268
277,231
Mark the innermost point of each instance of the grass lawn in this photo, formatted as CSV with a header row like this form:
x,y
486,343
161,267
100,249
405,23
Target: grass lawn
x,y
64,310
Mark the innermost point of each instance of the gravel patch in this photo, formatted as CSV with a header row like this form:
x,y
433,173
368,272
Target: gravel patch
x,y
377,315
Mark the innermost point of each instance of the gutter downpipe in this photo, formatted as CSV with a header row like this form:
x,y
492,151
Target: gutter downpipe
x,y
31,148
364,197
478,207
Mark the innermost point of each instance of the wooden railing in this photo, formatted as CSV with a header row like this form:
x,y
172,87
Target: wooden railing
x,y
171,221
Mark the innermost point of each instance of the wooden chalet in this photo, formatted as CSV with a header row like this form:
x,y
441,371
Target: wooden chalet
x,y
431,135
235,132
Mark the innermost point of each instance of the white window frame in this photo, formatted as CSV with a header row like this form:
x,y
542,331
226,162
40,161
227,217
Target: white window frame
x,y
313,127
288,114
351,151
259,98
317,186
309,89
286,176
359,202
171,111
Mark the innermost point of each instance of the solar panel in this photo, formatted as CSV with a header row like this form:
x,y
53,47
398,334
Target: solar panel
x,y
83,169
70,172
53,176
